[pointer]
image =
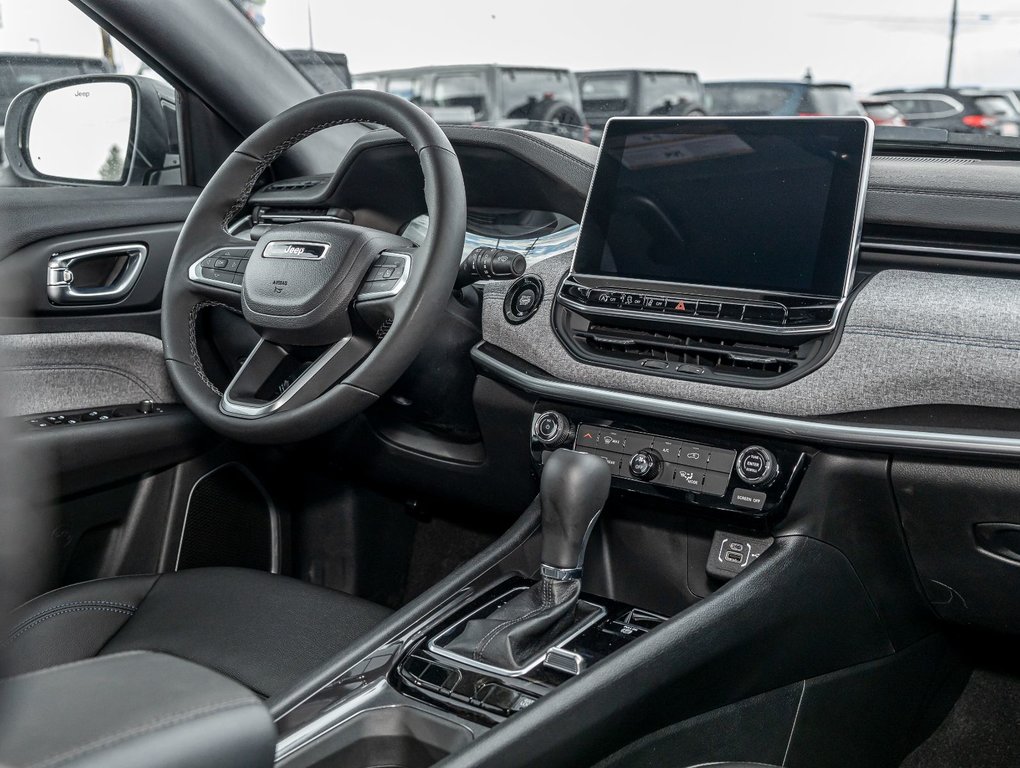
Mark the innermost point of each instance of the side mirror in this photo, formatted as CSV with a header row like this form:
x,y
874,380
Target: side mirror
x,y
114,130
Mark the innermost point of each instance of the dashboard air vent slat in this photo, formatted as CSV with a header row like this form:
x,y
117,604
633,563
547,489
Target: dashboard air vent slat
x,y
723,355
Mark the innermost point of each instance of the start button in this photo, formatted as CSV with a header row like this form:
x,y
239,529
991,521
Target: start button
x,y
523,299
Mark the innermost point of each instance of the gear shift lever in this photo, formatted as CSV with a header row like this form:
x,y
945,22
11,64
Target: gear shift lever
x,y
574,489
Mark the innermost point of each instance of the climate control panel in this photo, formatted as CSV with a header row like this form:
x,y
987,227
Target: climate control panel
x,y
720,471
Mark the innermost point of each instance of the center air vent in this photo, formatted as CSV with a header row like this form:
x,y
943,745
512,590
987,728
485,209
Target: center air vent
x,y
756,358
658,350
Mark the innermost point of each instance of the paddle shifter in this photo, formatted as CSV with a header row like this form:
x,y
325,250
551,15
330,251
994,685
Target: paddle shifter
x,y
574,489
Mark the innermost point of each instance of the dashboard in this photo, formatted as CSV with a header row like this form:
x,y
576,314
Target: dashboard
x,y
908,395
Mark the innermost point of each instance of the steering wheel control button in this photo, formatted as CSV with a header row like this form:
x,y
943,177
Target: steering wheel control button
x,y
746,499
552,429
386,276
224,267
645,465
523,299
757,466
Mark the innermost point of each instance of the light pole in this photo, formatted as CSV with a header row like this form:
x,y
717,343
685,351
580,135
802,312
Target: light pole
x,y
952,43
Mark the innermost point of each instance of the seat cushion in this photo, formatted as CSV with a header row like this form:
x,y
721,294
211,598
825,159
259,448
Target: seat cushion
x,y
263,630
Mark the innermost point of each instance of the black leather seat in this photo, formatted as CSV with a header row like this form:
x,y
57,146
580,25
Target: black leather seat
x,y
262,630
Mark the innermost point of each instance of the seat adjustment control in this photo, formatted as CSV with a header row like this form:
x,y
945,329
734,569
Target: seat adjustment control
x,y
757,466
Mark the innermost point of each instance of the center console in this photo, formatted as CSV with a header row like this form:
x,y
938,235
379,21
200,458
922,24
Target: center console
x,y
713,250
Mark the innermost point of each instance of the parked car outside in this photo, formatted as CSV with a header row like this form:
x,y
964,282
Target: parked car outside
x,y
780,98
539,99
957,110
19,71
883,112
608,93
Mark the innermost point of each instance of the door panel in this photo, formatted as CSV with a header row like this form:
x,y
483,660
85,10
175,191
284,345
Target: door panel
x,y
100,476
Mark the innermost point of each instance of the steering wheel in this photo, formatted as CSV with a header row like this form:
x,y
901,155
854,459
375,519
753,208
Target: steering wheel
x,y
341,310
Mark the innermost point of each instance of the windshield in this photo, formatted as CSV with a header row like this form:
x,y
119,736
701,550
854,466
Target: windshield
x,y
541,66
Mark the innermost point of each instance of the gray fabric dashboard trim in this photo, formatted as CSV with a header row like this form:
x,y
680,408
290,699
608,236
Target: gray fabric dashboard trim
x,y
911,338
46,372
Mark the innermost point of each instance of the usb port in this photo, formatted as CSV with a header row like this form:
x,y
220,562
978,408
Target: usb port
x,y
734,557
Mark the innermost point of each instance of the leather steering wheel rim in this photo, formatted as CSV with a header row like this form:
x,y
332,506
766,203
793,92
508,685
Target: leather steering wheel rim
x,y
423,297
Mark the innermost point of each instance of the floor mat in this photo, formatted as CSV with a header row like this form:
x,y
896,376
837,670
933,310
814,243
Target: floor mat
x,y
439,547
981,731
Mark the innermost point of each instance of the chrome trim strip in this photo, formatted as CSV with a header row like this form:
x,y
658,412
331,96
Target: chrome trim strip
x,y
272,248
858,224
938,250
328,721
853,435
433,646
60,275
232,407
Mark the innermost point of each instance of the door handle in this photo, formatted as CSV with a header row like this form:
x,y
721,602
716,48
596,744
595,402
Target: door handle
x,y
127,262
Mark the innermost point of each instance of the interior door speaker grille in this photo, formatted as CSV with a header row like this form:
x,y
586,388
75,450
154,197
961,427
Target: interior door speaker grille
x,y
230,521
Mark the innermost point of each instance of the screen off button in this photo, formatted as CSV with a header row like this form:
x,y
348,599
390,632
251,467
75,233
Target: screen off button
x,y
748,499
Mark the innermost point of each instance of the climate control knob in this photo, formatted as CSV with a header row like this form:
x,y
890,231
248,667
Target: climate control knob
x,y
552,429
757,466
645,465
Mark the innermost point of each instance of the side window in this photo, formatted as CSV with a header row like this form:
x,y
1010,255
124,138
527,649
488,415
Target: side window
x,y
114,124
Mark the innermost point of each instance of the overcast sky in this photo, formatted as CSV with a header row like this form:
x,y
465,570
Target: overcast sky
x,y
870,43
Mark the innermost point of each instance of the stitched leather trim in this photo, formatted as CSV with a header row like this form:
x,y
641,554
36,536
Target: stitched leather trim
x,y
267,159
487,640
71,604
196,359
149,727
80,609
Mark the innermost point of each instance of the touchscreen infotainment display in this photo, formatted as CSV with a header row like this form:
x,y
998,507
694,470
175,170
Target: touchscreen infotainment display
x,y
756,204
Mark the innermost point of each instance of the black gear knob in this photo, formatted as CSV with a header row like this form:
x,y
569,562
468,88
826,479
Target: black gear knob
x,y
575,487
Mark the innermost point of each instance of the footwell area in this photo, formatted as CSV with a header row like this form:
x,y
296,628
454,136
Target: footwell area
x,y
981,731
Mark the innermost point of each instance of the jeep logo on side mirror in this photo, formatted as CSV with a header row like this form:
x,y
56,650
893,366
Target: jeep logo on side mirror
x,y
284,250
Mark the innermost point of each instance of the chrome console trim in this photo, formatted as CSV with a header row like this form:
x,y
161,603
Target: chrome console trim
x,y
435,648
852,435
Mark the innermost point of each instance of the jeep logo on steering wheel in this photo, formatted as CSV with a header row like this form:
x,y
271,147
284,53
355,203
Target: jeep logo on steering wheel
x,y
284,250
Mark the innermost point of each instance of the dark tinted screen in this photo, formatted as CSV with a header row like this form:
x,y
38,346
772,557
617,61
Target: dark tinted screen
x,y
765,205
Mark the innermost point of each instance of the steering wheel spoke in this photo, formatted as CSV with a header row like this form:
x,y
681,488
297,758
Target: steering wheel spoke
x,y
274,379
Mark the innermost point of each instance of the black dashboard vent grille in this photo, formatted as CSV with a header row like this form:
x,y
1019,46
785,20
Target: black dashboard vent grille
x,y
722,355
292,214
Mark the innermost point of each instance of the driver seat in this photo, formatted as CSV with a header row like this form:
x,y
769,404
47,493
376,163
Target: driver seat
x,y
262,630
